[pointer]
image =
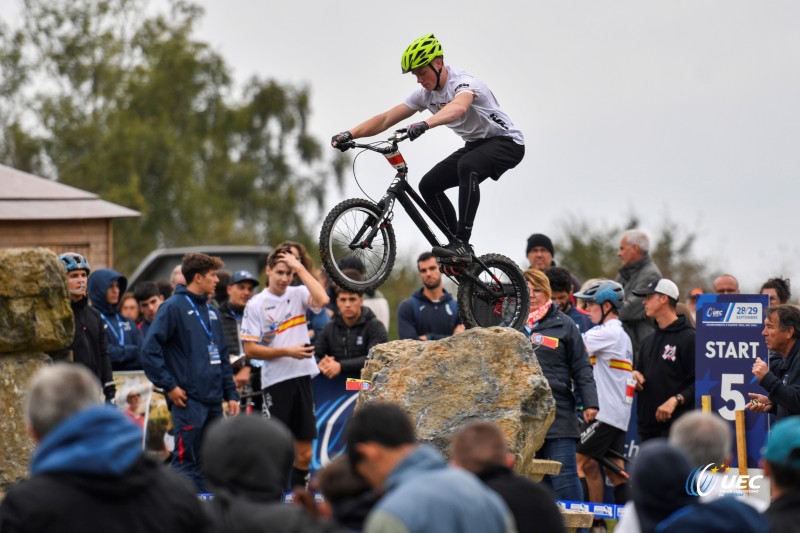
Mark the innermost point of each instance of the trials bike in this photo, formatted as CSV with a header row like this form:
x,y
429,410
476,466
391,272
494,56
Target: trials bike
x,y
357,245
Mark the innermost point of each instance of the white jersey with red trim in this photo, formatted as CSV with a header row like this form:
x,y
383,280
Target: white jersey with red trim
x,y
483,120
279,322
611,355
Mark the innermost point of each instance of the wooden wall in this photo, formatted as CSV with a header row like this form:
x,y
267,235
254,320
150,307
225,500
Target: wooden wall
x,y
92,238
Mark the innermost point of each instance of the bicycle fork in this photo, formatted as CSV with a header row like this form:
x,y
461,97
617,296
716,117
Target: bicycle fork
x,y
361,242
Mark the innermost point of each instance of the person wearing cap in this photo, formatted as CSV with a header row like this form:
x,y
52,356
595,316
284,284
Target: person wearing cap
x,y
637,270
88,346
781,463
781,379
240,289
664,372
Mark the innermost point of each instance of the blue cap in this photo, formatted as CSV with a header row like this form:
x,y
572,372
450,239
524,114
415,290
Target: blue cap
x,y
243,275
784,440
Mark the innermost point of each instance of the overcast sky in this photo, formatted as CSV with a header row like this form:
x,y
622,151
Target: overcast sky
x,y
681,109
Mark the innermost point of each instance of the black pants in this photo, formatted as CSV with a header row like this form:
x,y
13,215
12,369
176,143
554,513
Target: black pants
x,y
466,168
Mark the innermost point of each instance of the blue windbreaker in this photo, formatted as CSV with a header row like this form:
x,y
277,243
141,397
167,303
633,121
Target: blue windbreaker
x,y
122,336
176,351
99,441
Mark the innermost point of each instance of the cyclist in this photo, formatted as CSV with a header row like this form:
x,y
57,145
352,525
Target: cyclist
x,y
466,105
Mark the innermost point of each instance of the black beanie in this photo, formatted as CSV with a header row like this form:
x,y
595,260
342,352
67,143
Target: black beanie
x,y
539,239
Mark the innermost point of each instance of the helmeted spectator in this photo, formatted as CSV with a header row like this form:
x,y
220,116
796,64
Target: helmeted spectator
x,y
88,472
562,287
664,372
565,363
247,460
122,337
638,270
420,491
88,346
481,448
430,313
611,355
186,355
149,297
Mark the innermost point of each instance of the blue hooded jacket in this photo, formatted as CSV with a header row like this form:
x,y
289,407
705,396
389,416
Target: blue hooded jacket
x,y
423,490
122,336
98,441
175,351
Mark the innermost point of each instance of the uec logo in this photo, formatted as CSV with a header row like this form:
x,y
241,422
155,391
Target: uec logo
x,y
699,483
714,313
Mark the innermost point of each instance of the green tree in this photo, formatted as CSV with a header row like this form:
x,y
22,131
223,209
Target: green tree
x,y
590,251
131,106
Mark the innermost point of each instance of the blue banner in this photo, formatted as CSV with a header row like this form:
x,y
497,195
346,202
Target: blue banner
x,y
728,341
334,406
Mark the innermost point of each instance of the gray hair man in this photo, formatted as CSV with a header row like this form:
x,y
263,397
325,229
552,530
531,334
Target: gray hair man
x,y
89,472
638,270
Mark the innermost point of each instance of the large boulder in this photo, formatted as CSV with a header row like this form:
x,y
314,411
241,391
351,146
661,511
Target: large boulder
x,y
35,315
481,374
16,371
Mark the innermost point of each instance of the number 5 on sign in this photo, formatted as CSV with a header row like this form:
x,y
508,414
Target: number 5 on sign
x,y
729,394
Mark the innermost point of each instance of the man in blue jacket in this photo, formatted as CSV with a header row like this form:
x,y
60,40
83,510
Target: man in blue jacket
x,y
421,492
185,354
122,336
89,472
430,313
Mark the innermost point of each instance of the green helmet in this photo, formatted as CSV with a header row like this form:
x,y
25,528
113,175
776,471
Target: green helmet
x,y
420,53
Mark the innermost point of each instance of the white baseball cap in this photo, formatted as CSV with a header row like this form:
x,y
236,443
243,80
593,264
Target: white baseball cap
x,y
663,286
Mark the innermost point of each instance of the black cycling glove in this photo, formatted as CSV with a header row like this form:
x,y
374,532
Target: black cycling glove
x,y
416,129
341,140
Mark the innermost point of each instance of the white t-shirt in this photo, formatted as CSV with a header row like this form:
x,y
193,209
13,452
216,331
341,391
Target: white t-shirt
x,y
279,322
483,120
611,355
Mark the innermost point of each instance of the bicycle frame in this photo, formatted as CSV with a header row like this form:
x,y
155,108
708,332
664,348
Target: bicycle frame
x,y
402,191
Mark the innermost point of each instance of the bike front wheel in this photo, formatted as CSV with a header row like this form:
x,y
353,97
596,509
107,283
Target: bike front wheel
x,y
353,258
502,300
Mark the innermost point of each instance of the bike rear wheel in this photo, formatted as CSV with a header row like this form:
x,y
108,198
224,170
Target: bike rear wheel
x,y
350,261
506,303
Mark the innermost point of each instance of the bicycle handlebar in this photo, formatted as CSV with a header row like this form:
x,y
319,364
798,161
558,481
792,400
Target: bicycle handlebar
x,y
398,136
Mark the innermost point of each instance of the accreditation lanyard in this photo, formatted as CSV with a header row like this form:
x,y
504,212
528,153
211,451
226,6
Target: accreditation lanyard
x,y
213,352
121,335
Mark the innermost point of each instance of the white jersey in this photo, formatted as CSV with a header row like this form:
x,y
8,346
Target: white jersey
x,y
483,120
611,355
279,322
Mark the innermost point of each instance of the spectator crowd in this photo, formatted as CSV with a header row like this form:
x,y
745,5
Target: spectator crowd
x,y
220,350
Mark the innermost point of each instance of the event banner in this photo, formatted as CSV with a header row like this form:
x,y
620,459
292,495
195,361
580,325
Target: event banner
x,y
334,405
728,341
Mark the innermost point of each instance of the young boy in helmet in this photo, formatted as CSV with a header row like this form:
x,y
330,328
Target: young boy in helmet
x,y
89,343
466,105
611,355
